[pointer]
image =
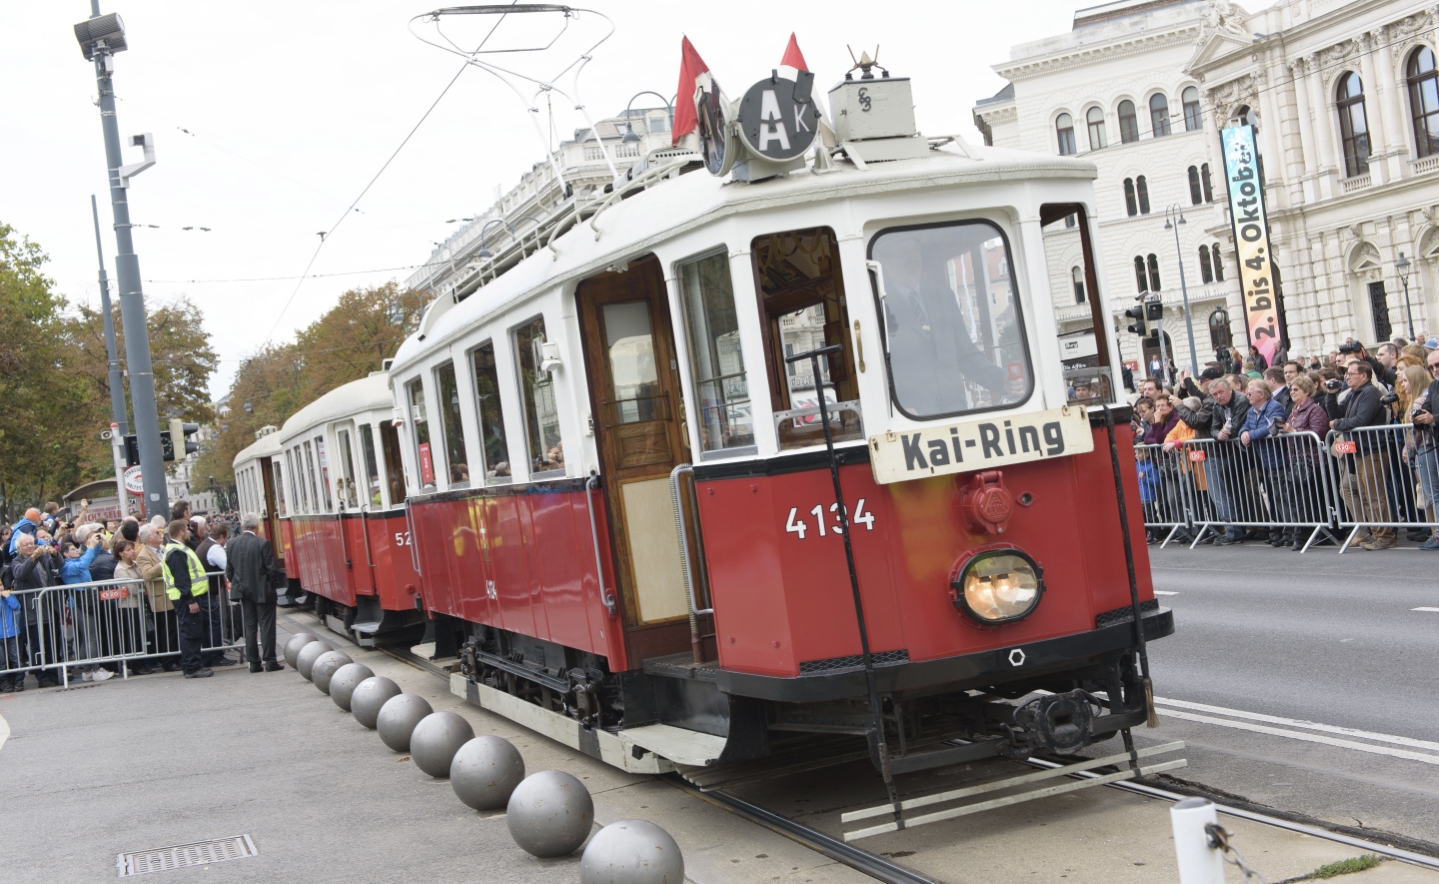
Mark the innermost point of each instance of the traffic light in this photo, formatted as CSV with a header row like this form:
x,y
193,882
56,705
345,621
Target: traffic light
x,y
1138,326
181,444
132,451
1154,310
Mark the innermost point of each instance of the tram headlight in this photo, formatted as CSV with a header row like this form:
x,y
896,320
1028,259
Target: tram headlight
x,y
998,586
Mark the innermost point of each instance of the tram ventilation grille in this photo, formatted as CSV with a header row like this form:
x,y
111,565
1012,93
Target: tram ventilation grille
x,y
854,661
199,853
1124,614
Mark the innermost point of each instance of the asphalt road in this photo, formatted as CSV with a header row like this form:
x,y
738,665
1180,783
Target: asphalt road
x,y
1305,682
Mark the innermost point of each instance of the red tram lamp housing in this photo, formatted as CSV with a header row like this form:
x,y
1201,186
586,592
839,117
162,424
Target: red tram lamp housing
x,y
986,503
996,584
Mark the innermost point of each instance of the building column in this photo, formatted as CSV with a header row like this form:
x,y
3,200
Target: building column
x,y
1395,135
1271,141
1306,132
1373,109
1323,110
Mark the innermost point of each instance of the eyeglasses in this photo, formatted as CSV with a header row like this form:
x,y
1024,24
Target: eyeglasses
x,y
1434,366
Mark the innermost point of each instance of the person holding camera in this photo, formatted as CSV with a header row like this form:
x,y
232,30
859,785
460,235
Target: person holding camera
x,y
1362,487
1423,448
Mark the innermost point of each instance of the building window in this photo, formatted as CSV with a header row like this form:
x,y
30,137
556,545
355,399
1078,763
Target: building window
x,y
1218,263
1193,118
1219,336
1077,275
1095,118
1353,125
1128,122
1424,101
1141,190
1154,285
1204,180
1206,272
1159,115
1064,127
1130,205
1196,191
1141,279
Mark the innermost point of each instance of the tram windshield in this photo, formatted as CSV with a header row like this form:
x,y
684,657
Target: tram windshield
x,y
955,333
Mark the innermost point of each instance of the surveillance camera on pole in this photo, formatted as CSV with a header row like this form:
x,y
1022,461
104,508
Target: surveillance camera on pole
x,y
100,38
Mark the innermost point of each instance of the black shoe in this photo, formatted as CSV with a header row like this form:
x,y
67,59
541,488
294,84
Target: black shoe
x,y
1419,535
256,667
49,682
222,660
1226,540
141,669
199,673
7,688
20,684
173,666
273,666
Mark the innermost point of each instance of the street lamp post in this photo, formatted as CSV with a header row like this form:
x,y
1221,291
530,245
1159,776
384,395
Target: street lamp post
x,y
1183,287
1402,266
100,38
631,136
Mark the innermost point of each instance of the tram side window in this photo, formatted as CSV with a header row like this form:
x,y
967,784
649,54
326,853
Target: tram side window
x,y
347,494
297,479
542,418
717,361
390,445
310,475
415,393
372,469
279,488
456,461
324,474
492,418
954,331
801,296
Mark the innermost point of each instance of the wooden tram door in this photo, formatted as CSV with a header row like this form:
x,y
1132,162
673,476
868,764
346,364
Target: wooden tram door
x,y
272,512
639,427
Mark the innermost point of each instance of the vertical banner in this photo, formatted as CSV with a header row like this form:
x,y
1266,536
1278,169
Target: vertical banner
x,y
1251,238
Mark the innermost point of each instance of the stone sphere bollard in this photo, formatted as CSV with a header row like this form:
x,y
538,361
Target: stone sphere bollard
x,y
325,666
436,739
296,642
550,814
486,771
305,659
368,696
344,682
398,717
632,852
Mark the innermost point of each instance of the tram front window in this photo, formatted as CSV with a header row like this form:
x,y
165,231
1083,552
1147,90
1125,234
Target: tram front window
x,y
955,333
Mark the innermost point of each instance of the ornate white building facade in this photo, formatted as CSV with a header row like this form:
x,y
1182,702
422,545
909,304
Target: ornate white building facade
x,y
1113,90
1346,96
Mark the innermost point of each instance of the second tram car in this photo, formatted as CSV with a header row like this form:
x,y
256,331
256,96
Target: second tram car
x,y
707,462
260,487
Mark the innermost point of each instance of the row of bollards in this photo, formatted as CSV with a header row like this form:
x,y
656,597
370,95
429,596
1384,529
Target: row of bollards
x,y
549,814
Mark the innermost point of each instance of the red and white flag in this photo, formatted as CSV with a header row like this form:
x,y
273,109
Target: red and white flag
x,y
793,58
693,73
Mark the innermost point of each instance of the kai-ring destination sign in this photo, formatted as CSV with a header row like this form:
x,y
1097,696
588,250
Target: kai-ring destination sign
x,y
980,445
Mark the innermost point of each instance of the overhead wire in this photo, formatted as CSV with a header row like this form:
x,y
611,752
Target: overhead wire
x,y
325,237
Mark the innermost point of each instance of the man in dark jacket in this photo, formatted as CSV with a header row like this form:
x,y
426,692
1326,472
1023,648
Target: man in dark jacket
x,y
1220,416
1277,381
253,576
1363,484
34,568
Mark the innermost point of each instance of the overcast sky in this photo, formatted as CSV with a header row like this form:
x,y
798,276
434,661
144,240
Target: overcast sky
x,y
290,108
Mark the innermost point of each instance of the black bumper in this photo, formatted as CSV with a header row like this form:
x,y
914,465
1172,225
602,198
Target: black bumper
x,y
964,672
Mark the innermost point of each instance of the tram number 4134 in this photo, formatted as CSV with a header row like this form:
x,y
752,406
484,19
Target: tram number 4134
x,y
797,524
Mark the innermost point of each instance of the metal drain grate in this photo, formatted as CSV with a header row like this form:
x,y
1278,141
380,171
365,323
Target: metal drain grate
x,y
199,853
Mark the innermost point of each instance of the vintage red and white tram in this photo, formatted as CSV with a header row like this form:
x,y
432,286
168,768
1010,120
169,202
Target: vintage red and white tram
x,y
620,490
259,485
343,511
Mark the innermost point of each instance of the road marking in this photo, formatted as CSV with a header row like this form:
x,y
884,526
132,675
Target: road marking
x,y
4,731
1308,738
1308,725
1161,592
1430,610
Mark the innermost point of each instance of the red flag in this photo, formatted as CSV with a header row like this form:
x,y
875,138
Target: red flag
x,y
691,67
792,56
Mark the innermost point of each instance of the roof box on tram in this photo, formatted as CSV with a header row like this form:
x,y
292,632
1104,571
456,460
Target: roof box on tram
x,y
874,116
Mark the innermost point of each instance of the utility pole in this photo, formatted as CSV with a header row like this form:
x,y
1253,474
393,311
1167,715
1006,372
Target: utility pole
x,y
100,49
117,390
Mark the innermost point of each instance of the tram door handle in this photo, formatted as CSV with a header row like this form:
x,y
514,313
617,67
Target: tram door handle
x,y
859,346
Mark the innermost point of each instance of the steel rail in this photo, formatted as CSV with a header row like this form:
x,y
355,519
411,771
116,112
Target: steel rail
x,y
1317,831
876,867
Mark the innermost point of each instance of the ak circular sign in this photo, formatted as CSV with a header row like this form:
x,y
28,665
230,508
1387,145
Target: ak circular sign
x,y
133,483
778,118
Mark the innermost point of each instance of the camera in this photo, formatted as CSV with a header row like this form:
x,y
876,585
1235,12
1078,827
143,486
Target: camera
x,y
1333,385
1388,398
1350,348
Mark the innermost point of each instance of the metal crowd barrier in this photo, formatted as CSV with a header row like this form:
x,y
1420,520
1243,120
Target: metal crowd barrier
x,y
1374,482
58,632
1354,480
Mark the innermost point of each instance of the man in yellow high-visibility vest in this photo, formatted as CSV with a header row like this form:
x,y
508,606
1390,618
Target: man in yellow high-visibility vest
x,y
185,582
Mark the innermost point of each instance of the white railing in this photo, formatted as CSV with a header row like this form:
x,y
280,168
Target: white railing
x,y
1358,182
1424,164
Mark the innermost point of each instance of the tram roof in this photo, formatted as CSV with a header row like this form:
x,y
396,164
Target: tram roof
x,y
637,224
367,394
267,445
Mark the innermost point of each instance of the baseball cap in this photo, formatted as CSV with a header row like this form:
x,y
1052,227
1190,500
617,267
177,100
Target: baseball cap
x,y
1432,344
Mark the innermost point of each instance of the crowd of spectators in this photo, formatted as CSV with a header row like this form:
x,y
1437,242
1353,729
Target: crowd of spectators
x,y
50,548
1262,467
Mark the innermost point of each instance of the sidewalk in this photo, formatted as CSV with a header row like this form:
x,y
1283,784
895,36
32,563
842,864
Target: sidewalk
x,y
158,761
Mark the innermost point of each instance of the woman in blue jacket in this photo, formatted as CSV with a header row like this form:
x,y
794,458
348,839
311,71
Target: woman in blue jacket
x,y
1261,423
10,642
85,602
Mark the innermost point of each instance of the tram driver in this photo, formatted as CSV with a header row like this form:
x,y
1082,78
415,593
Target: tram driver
x,y
938,366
